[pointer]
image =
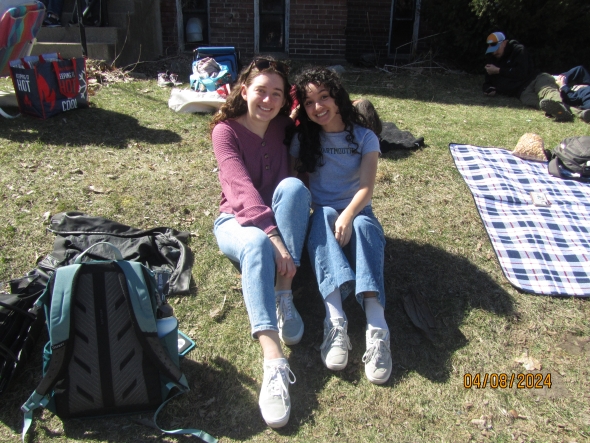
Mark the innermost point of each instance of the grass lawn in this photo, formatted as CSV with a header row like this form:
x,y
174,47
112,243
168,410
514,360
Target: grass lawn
x,y
131,159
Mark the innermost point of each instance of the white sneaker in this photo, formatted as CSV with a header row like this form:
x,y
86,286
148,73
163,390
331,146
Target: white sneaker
x,y
336,344
377,358
290,322
274,400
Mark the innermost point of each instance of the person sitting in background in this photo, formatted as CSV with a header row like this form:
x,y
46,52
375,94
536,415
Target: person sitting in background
x,y
575,91
367,110
510,71
53,14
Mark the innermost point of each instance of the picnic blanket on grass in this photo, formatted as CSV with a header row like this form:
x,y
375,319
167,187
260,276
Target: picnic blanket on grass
x,y
542,250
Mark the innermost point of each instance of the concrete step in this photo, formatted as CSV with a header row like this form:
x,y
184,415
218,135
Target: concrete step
x,y
71,34
133,33
96,51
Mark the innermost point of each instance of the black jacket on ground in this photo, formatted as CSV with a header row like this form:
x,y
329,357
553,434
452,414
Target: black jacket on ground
x,y
163,250
516,70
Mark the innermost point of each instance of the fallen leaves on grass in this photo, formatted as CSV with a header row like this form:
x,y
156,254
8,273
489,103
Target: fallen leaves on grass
x,y
96,190
100,73
529,363
217,312
484,422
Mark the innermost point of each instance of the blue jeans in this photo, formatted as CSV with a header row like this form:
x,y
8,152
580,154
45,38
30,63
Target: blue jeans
x,y
251,247
358,266
54,6
581,97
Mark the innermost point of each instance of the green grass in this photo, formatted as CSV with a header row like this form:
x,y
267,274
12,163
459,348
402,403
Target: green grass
x,y
154,167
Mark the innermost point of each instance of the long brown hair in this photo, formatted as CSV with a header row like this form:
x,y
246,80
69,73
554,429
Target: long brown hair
x,y
235,105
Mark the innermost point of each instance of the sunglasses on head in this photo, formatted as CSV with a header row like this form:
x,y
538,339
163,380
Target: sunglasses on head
x,y
263,63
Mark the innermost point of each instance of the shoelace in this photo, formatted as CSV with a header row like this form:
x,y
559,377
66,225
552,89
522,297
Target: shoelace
x,y
285,304
338,337
276,381
375,351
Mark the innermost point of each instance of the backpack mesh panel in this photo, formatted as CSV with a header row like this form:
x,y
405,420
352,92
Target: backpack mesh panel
x,y
107,372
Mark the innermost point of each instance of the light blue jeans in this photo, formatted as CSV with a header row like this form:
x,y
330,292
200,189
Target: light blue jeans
x,y
358,266
251,247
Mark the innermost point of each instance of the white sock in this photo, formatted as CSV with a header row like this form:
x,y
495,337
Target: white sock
x,y
375,313
280,293
274,361
333,304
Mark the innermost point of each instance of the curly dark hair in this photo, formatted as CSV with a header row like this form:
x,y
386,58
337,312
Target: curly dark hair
x,y
235,105
308,132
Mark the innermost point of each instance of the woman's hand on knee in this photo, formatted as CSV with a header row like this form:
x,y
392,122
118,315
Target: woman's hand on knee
x,y
343,229
285,264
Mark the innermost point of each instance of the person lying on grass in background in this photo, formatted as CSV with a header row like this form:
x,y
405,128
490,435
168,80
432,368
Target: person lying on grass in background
x,y
510,71
345,242
575,91
263,219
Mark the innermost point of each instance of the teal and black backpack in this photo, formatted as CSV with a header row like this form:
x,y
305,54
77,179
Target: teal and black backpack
x,y
113,343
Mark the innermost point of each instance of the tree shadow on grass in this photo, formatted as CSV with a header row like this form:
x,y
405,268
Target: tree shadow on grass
x,y
218,403
92,126
450,284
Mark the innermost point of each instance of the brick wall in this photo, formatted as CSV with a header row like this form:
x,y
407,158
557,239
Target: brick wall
x,y
232,24
317,29
368,28
329,30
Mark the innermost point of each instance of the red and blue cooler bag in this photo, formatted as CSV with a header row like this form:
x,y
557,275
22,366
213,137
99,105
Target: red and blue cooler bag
x,y
47,85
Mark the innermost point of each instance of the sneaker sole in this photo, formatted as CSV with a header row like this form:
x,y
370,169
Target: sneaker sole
x,y
335,367
556,110
279,423
378,381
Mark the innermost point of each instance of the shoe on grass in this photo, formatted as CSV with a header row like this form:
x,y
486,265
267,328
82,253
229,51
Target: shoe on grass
x,y
377,357
585,115
336,344
174,79
164,80
274,400
290,322
556,109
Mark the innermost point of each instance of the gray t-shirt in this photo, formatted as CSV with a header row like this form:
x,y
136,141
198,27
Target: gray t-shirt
x,y
336,182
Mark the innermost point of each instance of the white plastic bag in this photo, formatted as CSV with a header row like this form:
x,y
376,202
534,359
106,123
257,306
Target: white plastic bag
x,y
189,101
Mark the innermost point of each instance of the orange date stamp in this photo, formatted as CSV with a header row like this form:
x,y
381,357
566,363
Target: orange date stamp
x,y
503,380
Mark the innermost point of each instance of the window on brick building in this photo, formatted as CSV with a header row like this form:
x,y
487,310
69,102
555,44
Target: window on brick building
x,y
195,20
404,27
272,25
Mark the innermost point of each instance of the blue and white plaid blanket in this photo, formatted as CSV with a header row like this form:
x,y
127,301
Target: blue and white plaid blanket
x,y
543,250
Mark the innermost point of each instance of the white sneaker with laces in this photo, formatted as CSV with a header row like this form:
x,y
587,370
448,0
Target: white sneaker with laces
x,y
377,358
289,321
274,400
336,344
